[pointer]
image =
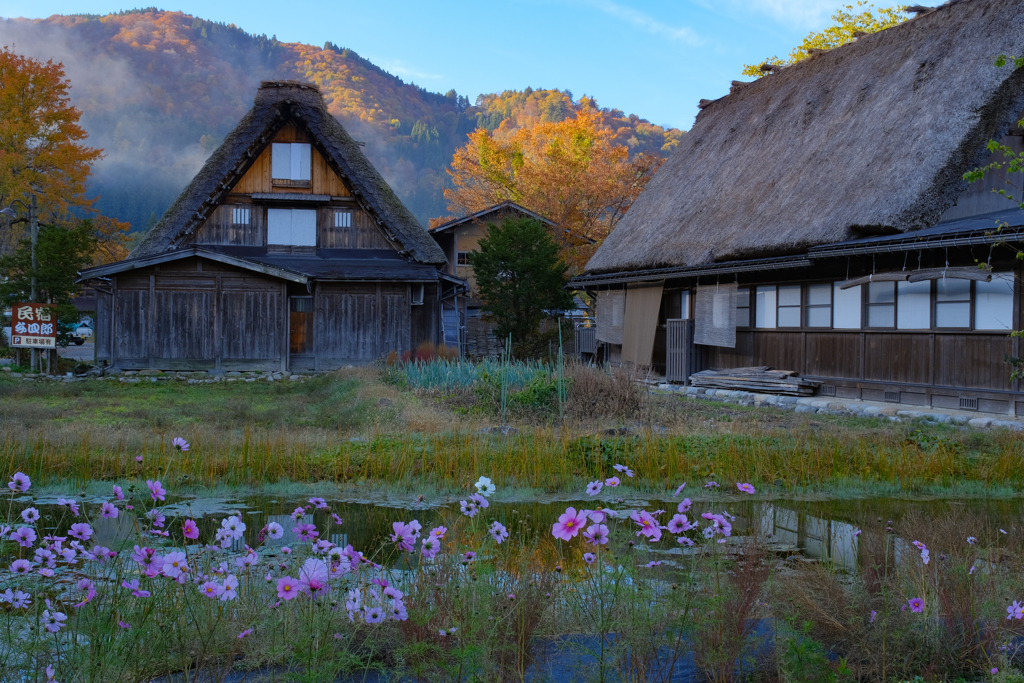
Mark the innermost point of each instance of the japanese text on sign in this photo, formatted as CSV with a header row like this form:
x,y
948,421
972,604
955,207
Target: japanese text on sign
x,y
33,326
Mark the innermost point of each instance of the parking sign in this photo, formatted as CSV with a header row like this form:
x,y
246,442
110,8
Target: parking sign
x,y
34,326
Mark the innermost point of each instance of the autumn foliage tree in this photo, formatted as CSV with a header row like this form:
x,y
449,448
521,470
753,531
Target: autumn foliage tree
x,y
42,153
849,23
569,171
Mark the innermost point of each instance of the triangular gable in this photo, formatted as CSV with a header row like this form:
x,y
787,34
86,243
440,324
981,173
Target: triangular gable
x,y
277,103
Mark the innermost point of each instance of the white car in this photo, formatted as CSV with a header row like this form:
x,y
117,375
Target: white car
x,y
81,333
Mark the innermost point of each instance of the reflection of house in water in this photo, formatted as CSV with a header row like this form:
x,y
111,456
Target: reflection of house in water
x,y
112,533
814,537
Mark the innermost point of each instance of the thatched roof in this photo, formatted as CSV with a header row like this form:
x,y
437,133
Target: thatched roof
x,y
870,138
276,102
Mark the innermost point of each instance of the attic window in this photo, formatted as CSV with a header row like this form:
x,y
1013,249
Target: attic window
x,y
240,215
290,161
343,219
291,227
417,295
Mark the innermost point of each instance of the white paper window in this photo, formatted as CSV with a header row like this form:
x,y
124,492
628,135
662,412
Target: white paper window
x,y
290,161
291,227
819,305
914,305
952,303
343,219
846,305
881,304
240,215
743,307
993,304
684,304
764,305
789,306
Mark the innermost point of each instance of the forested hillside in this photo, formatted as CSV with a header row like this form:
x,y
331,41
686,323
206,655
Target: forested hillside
x,y
159,91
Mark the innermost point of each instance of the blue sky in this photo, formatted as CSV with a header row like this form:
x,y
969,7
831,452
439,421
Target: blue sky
x,y
654,58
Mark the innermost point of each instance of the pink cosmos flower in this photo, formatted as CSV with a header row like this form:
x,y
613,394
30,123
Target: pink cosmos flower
x,y
156,517
275,530
648,525
24,536
685,541
678,524
30,515
439,532
745,488
916,605
403,536
679,490
19,482
589,557
21,567
336,518
711,485
374,615
211,589
653,564
1015,611
233,526
180,444
469,556
596,534
313,577
118,493
54,621
622,468
498,532
298,513
81,531
971,540
244,633
306,532
138,458
108,511
684,506
569,524
719,524
468,508
319,503
612,482
598,516
190,529
156,490
481,501
174,564
229,589
287,588
133,586
594,488
430,546
124,625
71,504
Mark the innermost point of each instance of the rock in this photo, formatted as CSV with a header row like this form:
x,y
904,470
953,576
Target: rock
x,y
1009,424
234,373
296,378
16,374
149,373
960,419
980,422
910,413
805,409
940,418
6,369
839,407
251,379
804,401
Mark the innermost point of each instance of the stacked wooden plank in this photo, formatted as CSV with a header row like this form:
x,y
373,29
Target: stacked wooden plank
x,y
759,380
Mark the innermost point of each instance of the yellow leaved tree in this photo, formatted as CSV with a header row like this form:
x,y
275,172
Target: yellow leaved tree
x,y
41,153
570,171
850,21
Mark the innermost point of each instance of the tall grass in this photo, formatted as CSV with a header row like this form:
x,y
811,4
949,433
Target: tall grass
x,y
545,459
446,376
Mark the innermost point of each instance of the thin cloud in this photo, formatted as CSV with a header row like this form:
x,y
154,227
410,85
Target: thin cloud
x,y
805,13
399,68
646,22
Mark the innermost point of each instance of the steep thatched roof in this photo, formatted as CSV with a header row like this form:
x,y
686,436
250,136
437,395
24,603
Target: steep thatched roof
x,y
872,137
277,101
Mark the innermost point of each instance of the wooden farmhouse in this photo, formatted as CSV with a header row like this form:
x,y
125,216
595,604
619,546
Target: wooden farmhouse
x,y
287,251
460,237
817,220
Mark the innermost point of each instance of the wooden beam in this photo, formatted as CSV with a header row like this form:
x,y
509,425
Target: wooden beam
x,y
875,277
962,273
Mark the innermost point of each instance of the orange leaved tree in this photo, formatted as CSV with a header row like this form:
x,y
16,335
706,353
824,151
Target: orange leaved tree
x,y
41,152
570,172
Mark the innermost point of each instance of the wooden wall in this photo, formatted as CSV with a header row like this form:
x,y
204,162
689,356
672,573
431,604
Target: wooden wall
x,y
197,314
981,197
323,179
358,322
219,229
929,368
362,234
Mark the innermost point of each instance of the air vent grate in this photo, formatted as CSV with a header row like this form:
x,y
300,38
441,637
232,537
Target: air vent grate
x,y
828,389
968,404
892,396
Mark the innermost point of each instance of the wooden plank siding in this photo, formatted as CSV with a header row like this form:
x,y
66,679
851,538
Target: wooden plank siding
x,y
346,328
363,233
219,228
323,179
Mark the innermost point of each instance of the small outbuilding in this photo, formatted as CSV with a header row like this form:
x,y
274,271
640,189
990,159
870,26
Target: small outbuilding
x,y
817,220
287,251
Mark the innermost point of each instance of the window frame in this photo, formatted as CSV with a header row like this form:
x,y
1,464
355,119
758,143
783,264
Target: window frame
x,y
807,305
748,306
971,295
342,219
462,258
244,211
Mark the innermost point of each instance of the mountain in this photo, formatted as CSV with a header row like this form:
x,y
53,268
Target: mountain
x,y
159,90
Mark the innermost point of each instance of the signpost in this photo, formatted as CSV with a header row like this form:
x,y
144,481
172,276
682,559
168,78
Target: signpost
x,y
33,326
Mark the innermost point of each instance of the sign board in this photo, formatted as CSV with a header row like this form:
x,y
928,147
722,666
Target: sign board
x,y
33,326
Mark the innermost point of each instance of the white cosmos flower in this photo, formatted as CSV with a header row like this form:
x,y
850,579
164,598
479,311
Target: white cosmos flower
x,y
485,487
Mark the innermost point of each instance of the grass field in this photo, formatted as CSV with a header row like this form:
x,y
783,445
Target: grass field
x,y
350,427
